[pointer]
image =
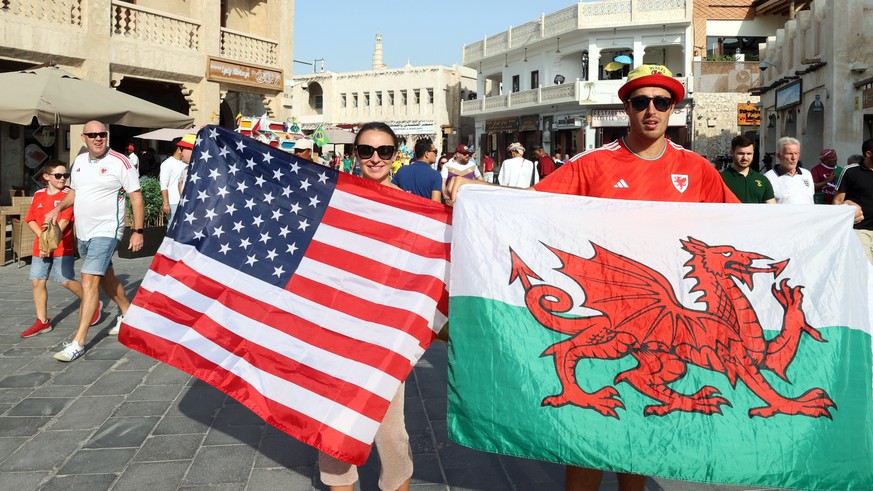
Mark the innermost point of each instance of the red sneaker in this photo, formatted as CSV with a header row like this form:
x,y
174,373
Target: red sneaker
x,y
38,327
97,313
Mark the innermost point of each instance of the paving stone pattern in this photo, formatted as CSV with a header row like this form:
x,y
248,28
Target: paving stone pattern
x,y
118,420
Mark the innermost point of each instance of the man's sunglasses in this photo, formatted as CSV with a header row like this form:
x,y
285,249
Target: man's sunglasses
x,y
641,103
61,175
366,151
101,134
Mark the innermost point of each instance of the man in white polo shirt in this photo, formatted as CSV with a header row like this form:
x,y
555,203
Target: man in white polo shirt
x,y
792,185
100,179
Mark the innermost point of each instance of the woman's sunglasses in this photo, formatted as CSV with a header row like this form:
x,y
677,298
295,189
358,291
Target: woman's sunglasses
x,y
366,151
61,175
640,103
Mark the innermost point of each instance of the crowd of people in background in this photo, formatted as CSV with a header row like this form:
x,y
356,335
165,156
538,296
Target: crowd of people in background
x,y
649,95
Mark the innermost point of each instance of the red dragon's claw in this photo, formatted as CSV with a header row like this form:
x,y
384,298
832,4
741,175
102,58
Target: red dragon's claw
x,y
813,332
817,394
698,403
783,293
605,401
705,392
815,403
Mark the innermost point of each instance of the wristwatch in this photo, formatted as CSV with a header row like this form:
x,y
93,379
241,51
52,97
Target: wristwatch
x,y
137,231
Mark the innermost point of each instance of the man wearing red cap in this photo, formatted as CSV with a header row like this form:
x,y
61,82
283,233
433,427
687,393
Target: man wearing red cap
x,y
460,166
825,176
171,171
644,165
132,156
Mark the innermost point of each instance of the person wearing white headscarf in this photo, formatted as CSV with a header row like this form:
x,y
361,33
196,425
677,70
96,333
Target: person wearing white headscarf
x,y
517,171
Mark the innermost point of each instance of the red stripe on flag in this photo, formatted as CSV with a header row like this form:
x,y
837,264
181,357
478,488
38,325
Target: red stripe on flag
x,y
369,354
387,233
386,315
443,304
265,359
376,271
299,425
393,197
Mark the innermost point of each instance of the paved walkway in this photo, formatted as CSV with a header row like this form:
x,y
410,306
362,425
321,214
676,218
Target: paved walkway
x,y
116,419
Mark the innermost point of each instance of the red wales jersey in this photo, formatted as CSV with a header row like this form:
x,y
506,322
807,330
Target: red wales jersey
x,y
613,171
42,204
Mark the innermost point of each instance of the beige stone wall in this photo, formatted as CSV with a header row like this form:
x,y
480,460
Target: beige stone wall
x,y
840,37
165,42
714,122
447,83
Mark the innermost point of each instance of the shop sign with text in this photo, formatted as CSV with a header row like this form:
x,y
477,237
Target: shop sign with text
x,y
219,70
529,123
748,115
413,127
505,124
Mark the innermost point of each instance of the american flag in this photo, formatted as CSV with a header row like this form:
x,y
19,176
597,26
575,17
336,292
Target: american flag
x,y
306,294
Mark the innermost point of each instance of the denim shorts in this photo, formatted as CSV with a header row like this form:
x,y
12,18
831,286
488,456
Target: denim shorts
x,y
40,267
97,254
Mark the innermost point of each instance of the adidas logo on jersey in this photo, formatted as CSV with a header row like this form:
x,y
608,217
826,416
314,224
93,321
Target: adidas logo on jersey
x,y
620,184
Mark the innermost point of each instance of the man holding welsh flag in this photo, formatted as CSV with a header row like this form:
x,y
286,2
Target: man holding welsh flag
x,y
675,364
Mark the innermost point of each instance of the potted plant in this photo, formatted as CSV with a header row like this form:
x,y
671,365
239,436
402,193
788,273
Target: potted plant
x,y
153,225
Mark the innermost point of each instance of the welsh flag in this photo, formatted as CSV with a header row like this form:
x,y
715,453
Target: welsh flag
x,y
702,342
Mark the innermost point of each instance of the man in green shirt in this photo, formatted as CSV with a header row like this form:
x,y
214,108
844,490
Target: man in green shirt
x,y
748,185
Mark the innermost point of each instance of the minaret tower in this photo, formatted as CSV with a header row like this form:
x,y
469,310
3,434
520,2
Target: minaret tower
x,y
377,54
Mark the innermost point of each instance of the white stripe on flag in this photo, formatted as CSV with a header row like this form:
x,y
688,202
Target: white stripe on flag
x,y
333,320
387,254
373,210
350,371
410,300
275,388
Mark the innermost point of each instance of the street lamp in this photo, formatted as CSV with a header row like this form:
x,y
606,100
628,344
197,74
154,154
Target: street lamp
x,y
763,65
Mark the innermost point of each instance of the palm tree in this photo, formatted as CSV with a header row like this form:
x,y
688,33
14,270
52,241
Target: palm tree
x,y
589,86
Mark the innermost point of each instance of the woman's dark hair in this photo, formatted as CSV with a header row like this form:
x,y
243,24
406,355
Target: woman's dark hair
x,y
376,126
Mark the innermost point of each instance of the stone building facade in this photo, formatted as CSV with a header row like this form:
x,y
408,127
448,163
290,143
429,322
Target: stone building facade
x,y
417,102
818,86
554,80
205,58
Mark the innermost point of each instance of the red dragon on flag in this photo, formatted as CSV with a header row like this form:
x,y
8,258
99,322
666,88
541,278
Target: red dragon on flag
x,y
641,317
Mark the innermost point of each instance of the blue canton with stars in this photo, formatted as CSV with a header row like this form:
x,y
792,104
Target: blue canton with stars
x,y
251,206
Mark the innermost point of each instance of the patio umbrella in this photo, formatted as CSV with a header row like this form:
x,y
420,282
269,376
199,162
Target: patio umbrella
x,y
165,134
56,97
613,66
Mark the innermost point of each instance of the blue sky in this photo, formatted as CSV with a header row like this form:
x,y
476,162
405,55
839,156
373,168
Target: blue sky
x,y
424,33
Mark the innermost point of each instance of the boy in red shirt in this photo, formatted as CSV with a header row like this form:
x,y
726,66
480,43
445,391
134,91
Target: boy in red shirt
x,y
55,175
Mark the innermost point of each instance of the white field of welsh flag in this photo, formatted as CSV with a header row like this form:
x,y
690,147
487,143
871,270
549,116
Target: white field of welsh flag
x,y
305,294
717,343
